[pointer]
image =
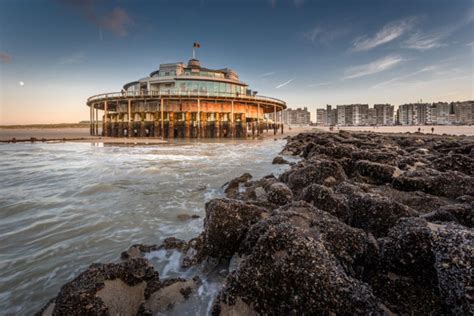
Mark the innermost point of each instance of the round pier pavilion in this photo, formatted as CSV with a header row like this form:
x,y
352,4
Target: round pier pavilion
x,y
186,101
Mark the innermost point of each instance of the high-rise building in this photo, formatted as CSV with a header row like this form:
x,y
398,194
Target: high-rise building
x,y
321,117
299,116
463,112
383,114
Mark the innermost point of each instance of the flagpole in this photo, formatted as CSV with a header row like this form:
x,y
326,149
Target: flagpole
x,y
193,52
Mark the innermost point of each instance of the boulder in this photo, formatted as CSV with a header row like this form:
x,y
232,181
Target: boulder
x,y
279,161
233,187
291,273
226,224
315,171
279,194
438,261
449,184
376,173
132,287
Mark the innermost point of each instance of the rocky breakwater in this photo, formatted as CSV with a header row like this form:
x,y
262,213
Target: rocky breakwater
x,y
363,224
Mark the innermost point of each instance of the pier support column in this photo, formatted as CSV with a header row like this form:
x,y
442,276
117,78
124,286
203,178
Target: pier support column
x,y
171,125
258,119
243,122
232,120
203,122
274,120
96,120
281,120
91,120
105,123
129,125
187,124
199,119
162,117
217,125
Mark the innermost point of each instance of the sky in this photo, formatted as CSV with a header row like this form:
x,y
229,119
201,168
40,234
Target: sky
x,y
55,54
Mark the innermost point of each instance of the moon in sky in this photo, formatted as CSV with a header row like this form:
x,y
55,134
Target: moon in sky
x,y
21,83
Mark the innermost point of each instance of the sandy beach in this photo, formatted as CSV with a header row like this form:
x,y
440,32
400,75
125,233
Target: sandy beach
x,y
438,129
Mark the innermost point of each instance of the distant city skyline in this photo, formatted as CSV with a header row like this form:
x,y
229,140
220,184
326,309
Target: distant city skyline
x,y
55,54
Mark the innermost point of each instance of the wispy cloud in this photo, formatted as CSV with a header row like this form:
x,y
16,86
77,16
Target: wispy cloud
x,y
420,41
325,35
374,67
406,76
75,58
434,39
388,33
267,74
319,84
5,58
116,21
284,84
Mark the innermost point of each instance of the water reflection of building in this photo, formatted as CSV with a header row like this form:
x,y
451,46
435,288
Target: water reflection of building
x,y
181,100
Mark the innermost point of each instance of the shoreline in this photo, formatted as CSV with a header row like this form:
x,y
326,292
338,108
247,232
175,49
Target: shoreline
x,y
370,211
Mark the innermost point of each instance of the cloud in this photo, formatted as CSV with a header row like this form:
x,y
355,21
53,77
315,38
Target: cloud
x,y
267,74
284,84
319,84
388,33
374,67
75,58
420,41
116,21
5,58
324,35
429,40
409,75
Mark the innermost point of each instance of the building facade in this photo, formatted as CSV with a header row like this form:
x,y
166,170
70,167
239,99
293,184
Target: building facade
x,y
298,116
179,100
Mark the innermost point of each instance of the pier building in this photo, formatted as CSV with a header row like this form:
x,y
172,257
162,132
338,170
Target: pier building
x,y
184,100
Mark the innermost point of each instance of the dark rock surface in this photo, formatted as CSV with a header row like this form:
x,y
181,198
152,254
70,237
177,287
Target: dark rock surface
x,y
132,287
363,224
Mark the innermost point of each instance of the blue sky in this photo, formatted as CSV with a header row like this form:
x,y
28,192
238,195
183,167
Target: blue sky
x,y
54,54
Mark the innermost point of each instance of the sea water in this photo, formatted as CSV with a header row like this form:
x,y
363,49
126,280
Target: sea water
x,y
64,206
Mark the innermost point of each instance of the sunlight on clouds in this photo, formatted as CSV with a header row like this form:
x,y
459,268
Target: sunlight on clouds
x,y
387,34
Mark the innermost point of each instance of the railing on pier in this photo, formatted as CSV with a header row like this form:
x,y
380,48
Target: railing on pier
x,y
183,93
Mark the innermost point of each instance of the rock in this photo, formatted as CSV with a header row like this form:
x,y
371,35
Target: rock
x,y
455,162
186,217
375,213
376,173
290,271
325,199
449,184
279,194
138,250
226,224
128,288
316,171
438,261
279,161
462,214
232,189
